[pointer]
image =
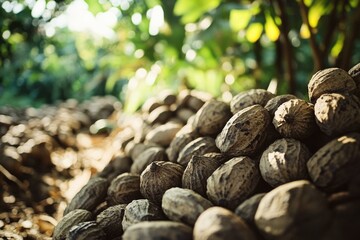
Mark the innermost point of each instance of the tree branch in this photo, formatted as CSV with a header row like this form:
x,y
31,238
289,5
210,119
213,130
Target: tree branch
x,y
331,27
317,55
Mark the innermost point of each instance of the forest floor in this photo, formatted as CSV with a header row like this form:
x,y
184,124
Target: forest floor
x,y
46,156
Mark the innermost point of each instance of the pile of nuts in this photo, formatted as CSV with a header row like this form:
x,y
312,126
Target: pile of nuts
x,y
261,167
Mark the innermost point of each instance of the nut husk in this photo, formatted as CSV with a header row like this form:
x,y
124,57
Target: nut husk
x,y
337,113
330,80
74,217
183,205
233,182
199,170
217,223
249,98
141,210
124,188
146,157
211,117
197,147
158,230
295,210
110,220
284,161
158,177
245,132
91,195
295,119
336,163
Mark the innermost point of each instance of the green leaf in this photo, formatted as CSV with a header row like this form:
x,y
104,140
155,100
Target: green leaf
x,y
254,31
271,29
336,49
95,7
316,12
193,10
239,19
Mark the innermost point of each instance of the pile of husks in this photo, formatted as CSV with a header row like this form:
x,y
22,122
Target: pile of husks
x,y
262,167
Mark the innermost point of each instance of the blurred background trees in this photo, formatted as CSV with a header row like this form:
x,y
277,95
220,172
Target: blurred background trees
x,y
59,49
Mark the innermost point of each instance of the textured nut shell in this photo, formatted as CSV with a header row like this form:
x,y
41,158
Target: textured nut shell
x,y
117,166
141,210
86,231
72,218
336,163
183,205
198,171
158,230
295,119
247,209
284,161
184,114
245,132
197,147
158,177
248,98
273,104
91,195
295,210
163,134
211,117
217,223
233,182
337,113
145,158
183,137
110,220
354,72
124,188
330,80
160,115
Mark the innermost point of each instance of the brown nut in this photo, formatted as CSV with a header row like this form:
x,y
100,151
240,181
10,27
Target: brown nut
x,y
197,147
247,209
218,223
233,182
163,134
284,161
295,210
354,72
245,132
336,163
124,188
158,177
330,80
158,230
295,119
71,219
110,220
211,117
183,205
85,231
249,98
141,210
273,104
337,113
146,157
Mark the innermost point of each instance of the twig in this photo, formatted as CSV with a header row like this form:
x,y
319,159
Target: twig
x,y
317,55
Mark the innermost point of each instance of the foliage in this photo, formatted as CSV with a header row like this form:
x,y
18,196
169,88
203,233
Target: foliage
x,y
222,47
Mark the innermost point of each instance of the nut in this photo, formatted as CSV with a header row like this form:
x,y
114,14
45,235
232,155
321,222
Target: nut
x,y
284,161
110,220
273,104
160,115
233,182
158,230
197,147
163,134
330,80
198,170
295,119
354,72
145,158
245,132
336,163
71,219
85,231
337,113
141,210
91,195
295,210
220,223
183,205
249,98
247,209
211,117
158,177
124,188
